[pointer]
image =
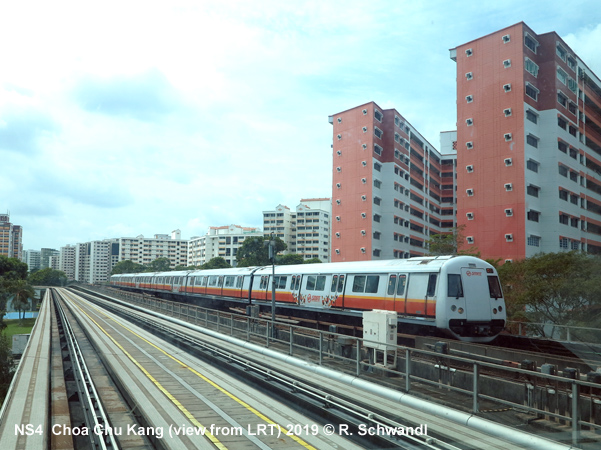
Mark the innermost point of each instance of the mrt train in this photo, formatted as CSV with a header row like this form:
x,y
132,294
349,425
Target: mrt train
x,y
459,295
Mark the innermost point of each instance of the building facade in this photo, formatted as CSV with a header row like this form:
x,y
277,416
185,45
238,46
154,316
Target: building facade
x,y
219,242
313,222
392,190
33,259
11,238
282,223
529,145
143,250
67,261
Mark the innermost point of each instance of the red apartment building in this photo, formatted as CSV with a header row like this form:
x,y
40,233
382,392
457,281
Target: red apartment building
x,y
391,188
528,145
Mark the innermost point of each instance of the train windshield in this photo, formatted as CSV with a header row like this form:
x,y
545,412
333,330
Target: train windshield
x,y
455,287
494,287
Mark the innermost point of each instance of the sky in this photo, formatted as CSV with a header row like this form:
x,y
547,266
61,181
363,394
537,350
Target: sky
x,y
126,118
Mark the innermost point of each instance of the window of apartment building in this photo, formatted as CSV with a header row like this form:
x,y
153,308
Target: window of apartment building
x,y
572,130
574,199
561,75
378,149
531,91
377,235
563,195
532,190
562,146
532,140
574,176
564,219
563,171
378,166
531,116
378,116
377,132
531,67
572,63
377,217
563,243
530,42
377,184
572,108
573,85
562,99
561,52
562,123
534,241
533,215
532,165
377,200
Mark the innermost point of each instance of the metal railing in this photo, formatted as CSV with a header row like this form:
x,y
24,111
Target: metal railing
x,y
548,396
568,333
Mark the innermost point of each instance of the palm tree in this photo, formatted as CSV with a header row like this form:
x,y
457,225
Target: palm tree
x,y
22,292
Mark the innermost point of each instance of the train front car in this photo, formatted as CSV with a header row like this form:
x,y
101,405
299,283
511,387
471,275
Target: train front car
x,y
473,309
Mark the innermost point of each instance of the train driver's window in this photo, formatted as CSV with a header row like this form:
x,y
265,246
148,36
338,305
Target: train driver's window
x,y
455,288
494,287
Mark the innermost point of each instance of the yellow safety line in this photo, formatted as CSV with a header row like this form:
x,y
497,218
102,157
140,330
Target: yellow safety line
x,y
216,386
181,407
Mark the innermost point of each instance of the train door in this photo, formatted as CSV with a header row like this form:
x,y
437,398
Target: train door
x,y
295,285
337,290
477,294
396,291
421,293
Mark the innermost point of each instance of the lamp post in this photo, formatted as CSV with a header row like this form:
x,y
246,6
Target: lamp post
x,y
272,252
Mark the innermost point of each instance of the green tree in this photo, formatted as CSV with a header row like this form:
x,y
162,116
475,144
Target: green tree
x,y
11,270
6,366
450,243
553,288
22,292
159,265
128,266
313,261
292,258
216,263
254,252
48,277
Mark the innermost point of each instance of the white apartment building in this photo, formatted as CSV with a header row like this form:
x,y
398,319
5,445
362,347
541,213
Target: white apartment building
x,y
305,231
33,259
219,241
67,261
143,250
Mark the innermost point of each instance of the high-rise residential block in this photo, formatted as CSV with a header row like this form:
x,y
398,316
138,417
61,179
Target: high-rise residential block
x,y
528,145
219,242
392,190
11,238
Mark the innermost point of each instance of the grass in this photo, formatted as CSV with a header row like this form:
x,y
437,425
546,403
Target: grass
x,y
15,327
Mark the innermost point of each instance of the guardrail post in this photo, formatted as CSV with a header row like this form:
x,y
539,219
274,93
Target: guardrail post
x,y
358,357
320,348
407,370
475,406
575,426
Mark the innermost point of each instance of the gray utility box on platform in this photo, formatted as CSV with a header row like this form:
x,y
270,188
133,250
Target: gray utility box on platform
x,y
380,335
19,343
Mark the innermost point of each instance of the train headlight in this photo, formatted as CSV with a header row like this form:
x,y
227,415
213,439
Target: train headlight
x,y
453,308
494,311
460,310
500,308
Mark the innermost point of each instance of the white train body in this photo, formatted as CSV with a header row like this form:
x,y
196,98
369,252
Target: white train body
x,y
460,295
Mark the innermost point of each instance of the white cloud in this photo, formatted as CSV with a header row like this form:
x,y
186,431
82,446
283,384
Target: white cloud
x,y
145,117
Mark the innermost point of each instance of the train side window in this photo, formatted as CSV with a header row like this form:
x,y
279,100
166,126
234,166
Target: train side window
x,y
334,283
494,287
239,282
311,283
400,286
204,281
431,285
359,283
391,284
320,283
191,281
372,284
454,286
229,281
341,283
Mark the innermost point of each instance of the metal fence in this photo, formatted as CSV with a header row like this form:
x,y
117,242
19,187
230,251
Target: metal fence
x,y
565,400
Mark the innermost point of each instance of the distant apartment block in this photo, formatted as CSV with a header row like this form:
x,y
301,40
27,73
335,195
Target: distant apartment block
x,y
392,189
222,242
45,255
33,259
67,261
305,231
143,250
528,145
11,238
